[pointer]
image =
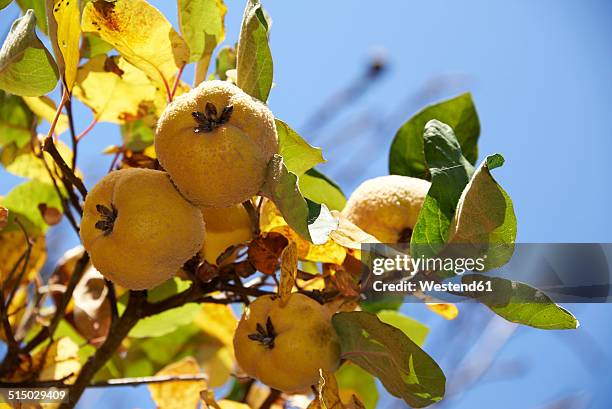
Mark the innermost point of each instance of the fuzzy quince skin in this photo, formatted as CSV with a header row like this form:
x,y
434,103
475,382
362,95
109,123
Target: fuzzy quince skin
x,y
215,142
387,207
138,230
284,346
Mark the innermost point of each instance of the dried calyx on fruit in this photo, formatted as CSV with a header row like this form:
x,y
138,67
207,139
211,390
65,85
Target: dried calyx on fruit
x,y
285,344
138,229
215,142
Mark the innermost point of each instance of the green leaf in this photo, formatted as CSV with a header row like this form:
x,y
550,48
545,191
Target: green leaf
x,y
23,202
254,59
407,156
450,173
413,329
317,187
22,161
355,380
384,302
26,67
310,220
40,10
520,303
16,120
167,321
485,223
4,3
94,46
226,60
202,27
137,135
298,154
405,370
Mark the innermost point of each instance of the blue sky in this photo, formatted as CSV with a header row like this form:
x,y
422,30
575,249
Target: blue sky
x,y
540,73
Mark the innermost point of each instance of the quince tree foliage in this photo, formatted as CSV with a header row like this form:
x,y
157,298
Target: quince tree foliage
x,y
213,208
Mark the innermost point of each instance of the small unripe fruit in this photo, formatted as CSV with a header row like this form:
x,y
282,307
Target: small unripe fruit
x,y
215,142
138,230
387,207
284,346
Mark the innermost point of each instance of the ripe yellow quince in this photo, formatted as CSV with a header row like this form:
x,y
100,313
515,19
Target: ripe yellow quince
x,y
215,142
225,227
387,207
284,346
138,230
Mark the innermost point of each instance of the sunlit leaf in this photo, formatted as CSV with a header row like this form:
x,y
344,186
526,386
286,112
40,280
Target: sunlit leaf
x,y
16,308
272,221
310,220
254,59
94,46
26,67
65,32
137,135
23,202
114,89
319,188
416,331
349,235
407,156
352,380
16,120
45,108
217,321
520,303
178,395
39,10
226,60
170,320
23,162
4,3
485,223
60,360
298,154
202,26
140,33
450,173
404,369
288,267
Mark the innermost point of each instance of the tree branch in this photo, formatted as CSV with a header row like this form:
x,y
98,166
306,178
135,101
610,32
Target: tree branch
x,y
117,333
51,149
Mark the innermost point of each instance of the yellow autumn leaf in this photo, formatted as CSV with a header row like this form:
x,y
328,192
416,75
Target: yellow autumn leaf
x,y
328,396
45,108
209,402
288,267
66,33
180,394
348,235
4,213
217,321
60,361
272,221
16,309
12,247
447,311
217,361
115,90
140,33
